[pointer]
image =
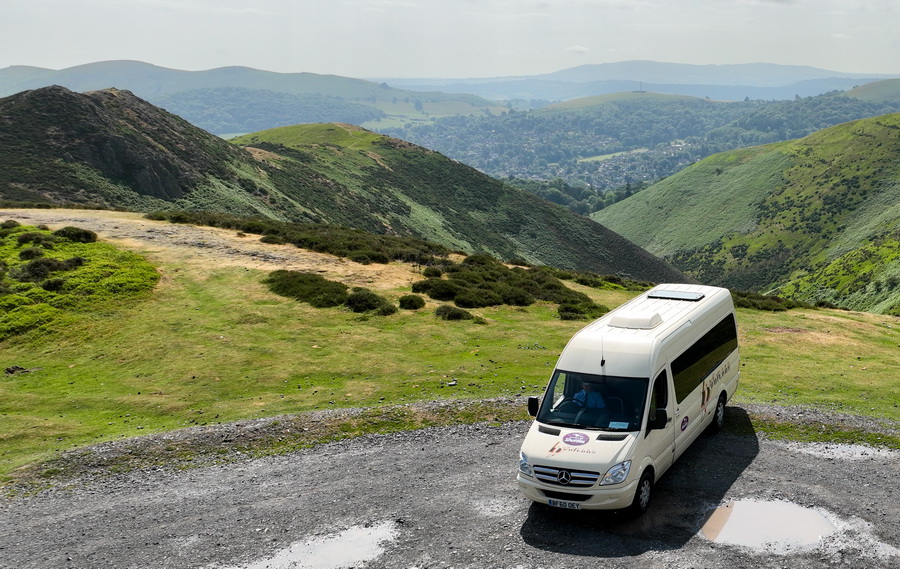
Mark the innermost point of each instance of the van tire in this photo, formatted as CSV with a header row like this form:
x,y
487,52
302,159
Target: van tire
x,y
642,494
718,416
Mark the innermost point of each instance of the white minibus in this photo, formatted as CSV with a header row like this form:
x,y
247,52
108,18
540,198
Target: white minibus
x,y
630,392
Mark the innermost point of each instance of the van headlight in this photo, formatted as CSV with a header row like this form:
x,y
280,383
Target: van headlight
x,y
524,467
616,474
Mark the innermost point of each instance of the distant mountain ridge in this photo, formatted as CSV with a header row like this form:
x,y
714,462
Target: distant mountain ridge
x,y
731,82
114,149
177,90
816,219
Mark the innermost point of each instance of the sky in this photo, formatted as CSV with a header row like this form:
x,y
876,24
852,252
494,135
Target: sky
x,y
449,38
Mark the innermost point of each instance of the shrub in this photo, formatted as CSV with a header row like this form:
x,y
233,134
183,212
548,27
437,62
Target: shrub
x,y
362,300
447,312
29,253
583,311
273,239
306,287
571,312
9,224
44,240
39,269
76,234
514,296
432,273
53,285
411,302
477,298
367,257
756,301
437,289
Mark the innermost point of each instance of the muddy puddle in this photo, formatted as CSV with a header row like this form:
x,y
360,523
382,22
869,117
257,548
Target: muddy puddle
x,y
770,526
348,548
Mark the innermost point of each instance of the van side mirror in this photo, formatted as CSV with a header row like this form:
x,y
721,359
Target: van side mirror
x,y
533,404
659,421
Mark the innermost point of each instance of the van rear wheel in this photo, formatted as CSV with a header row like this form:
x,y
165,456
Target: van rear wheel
x,y
719,416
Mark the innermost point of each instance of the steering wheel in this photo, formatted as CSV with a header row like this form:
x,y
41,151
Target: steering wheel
x,y
592,416
568,405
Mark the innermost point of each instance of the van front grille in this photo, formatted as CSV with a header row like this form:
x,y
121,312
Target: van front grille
x,y
565,476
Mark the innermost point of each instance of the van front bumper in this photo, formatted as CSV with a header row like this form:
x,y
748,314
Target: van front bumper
x,y
599,498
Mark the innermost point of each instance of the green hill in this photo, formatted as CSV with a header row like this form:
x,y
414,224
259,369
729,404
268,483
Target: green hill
x,y
887,91
111,149
815,219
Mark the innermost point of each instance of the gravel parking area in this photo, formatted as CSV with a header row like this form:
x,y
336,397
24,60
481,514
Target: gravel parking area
x,y
447,497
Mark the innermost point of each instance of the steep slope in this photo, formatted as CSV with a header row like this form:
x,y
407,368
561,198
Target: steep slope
x,y
383,184
112,149
817,219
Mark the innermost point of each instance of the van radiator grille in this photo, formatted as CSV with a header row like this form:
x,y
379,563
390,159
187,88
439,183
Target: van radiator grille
x,y
566,477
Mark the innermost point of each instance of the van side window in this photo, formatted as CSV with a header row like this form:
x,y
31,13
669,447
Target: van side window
x,y
660,397
690,368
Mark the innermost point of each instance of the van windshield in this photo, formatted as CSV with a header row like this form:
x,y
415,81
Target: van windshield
x,y
589,401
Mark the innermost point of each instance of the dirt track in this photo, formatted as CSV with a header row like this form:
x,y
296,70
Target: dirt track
x,y
205,247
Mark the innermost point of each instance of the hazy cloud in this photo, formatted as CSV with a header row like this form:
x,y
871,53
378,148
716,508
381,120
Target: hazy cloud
x,y
449,38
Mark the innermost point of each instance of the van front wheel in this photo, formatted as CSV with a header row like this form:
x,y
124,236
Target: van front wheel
x,y
642,494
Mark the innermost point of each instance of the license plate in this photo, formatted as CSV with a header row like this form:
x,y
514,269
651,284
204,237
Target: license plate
x,y
563,504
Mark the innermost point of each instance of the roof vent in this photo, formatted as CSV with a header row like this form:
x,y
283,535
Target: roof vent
x,y
676,295
636,320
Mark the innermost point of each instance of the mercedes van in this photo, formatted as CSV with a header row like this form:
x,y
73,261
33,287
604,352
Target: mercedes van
x,y
630,392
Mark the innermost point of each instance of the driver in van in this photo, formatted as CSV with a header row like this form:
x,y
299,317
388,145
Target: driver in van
x,y
589,396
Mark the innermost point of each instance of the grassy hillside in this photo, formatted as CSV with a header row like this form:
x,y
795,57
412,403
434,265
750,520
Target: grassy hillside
x,y
220,346
115,150
879,91
815,219
383,184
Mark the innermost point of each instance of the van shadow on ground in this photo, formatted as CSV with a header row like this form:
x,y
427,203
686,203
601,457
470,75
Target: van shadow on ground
x,y
681,502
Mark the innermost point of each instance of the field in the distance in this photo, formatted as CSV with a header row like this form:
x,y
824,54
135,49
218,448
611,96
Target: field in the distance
x,y
212,345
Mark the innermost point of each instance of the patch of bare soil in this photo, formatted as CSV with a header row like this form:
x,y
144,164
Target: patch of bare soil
x,y
205,248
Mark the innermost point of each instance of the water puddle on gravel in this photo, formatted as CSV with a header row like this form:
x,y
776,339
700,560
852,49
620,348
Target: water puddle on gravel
x,y
348,548
770,526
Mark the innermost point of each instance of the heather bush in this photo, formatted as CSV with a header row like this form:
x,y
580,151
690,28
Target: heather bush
x,y
29,253
307,287
76,234
44,240
411,302
447,312
362,300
